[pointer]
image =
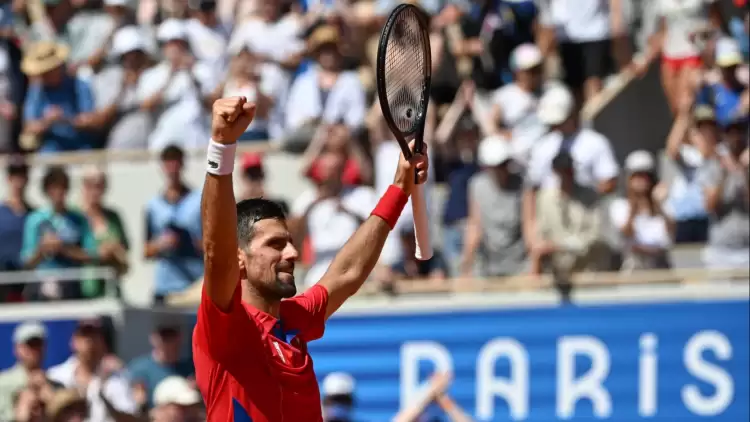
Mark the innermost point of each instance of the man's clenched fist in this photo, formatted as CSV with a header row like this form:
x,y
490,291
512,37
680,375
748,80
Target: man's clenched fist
x,y
230,118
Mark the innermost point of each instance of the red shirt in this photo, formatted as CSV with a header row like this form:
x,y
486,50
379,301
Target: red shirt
x,y
351,174
250,366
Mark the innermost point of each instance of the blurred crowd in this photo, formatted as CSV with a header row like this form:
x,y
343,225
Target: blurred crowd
x,y
526,187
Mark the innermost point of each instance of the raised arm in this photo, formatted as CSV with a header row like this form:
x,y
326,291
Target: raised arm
x,y
231,116
355,261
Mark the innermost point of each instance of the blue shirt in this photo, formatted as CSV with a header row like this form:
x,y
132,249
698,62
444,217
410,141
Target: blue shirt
x,y
70,227
457,204
181,267
11,233
150,373
737,29
724,99
73,97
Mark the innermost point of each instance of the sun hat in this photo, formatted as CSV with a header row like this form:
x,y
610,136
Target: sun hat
x,y
526,56
175,390
127,40
640,161
728,52
43,56
556,105
172,30
324,35
338,384
494,150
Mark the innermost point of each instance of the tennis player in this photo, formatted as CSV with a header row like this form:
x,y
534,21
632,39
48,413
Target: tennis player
x,y
250,341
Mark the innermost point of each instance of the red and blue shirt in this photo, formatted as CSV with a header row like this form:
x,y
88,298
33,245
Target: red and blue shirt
x,y
253,367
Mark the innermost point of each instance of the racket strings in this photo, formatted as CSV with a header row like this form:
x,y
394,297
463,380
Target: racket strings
x,y
405,70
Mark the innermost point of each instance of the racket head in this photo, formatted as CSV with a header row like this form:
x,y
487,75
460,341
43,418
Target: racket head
x,y
403,73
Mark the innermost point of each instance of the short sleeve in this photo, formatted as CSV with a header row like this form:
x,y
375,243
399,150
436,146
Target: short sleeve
x,y
605,165
30,237
85,96
709,174
222,335
306,313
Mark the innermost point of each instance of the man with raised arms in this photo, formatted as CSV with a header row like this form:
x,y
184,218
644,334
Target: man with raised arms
x,y
250,341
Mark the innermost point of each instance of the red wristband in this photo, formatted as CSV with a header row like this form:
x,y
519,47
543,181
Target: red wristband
x,y
390,205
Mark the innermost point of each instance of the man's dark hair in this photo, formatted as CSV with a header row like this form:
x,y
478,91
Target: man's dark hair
x,y
55,176
172,153
250,211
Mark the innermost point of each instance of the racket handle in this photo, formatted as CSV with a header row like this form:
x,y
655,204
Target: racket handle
x,y
423,250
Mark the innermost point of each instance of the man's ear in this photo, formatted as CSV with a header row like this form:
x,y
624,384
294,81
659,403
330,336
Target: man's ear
x,y
241,260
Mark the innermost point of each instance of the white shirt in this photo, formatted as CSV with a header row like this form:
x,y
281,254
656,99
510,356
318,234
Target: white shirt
x,y
328,227
273,84
116,390
591,151
682,18
208,44
648,230
519,114
346,100
181,119
278,40
385,163
580,20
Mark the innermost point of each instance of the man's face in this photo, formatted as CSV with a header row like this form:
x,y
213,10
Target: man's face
x,y
54,77
709,131
172,169
87,343
268,260
328,57
31,353
18,181
167,341
57,192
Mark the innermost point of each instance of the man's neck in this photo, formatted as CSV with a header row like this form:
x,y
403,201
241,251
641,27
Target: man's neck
x,y
252,298
16,203
160,357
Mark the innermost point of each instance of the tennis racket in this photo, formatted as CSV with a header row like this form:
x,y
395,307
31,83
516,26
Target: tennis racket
x,y
403,84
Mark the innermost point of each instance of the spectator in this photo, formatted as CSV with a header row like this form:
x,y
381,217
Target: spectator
x,y
323,93
570,225
13,212
57,237
591,152
515,105
10,87
173,232
337,139
68,405
338,397
254,178
691,141
646,229
107,229
261,83
58,109
586,31
176,401
178,91
739,27
727,196
207,34
680,36
28,347
494,224
116,91
164,361
52,24
729,95
29,406
460,162
90,370
329,214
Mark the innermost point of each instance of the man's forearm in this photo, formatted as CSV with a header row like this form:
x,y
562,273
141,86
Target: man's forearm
x,y
219,216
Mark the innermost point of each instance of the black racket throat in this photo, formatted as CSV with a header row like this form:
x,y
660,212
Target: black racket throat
x,y
403,75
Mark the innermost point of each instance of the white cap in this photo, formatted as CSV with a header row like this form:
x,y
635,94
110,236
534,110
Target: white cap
x,y
728,52
640,161
556,105
120,3
27,331
494,150
128,39
338,384
172,29
175,390
526,56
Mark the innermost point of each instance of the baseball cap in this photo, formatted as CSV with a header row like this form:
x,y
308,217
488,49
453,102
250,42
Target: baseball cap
x,y
526,56
556,105
728,52
494,150
175,390
640,162
118,3
338,384
28,331
171,29
128,39
252,160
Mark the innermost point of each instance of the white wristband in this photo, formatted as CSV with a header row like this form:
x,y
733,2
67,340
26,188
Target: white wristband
x,y
220,158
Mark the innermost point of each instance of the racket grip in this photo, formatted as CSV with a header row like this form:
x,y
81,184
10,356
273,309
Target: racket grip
x,y
423,250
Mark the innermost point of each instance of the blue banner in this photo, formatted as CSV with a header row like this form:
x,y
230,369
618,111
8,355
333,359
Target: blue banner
x,y
682,362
